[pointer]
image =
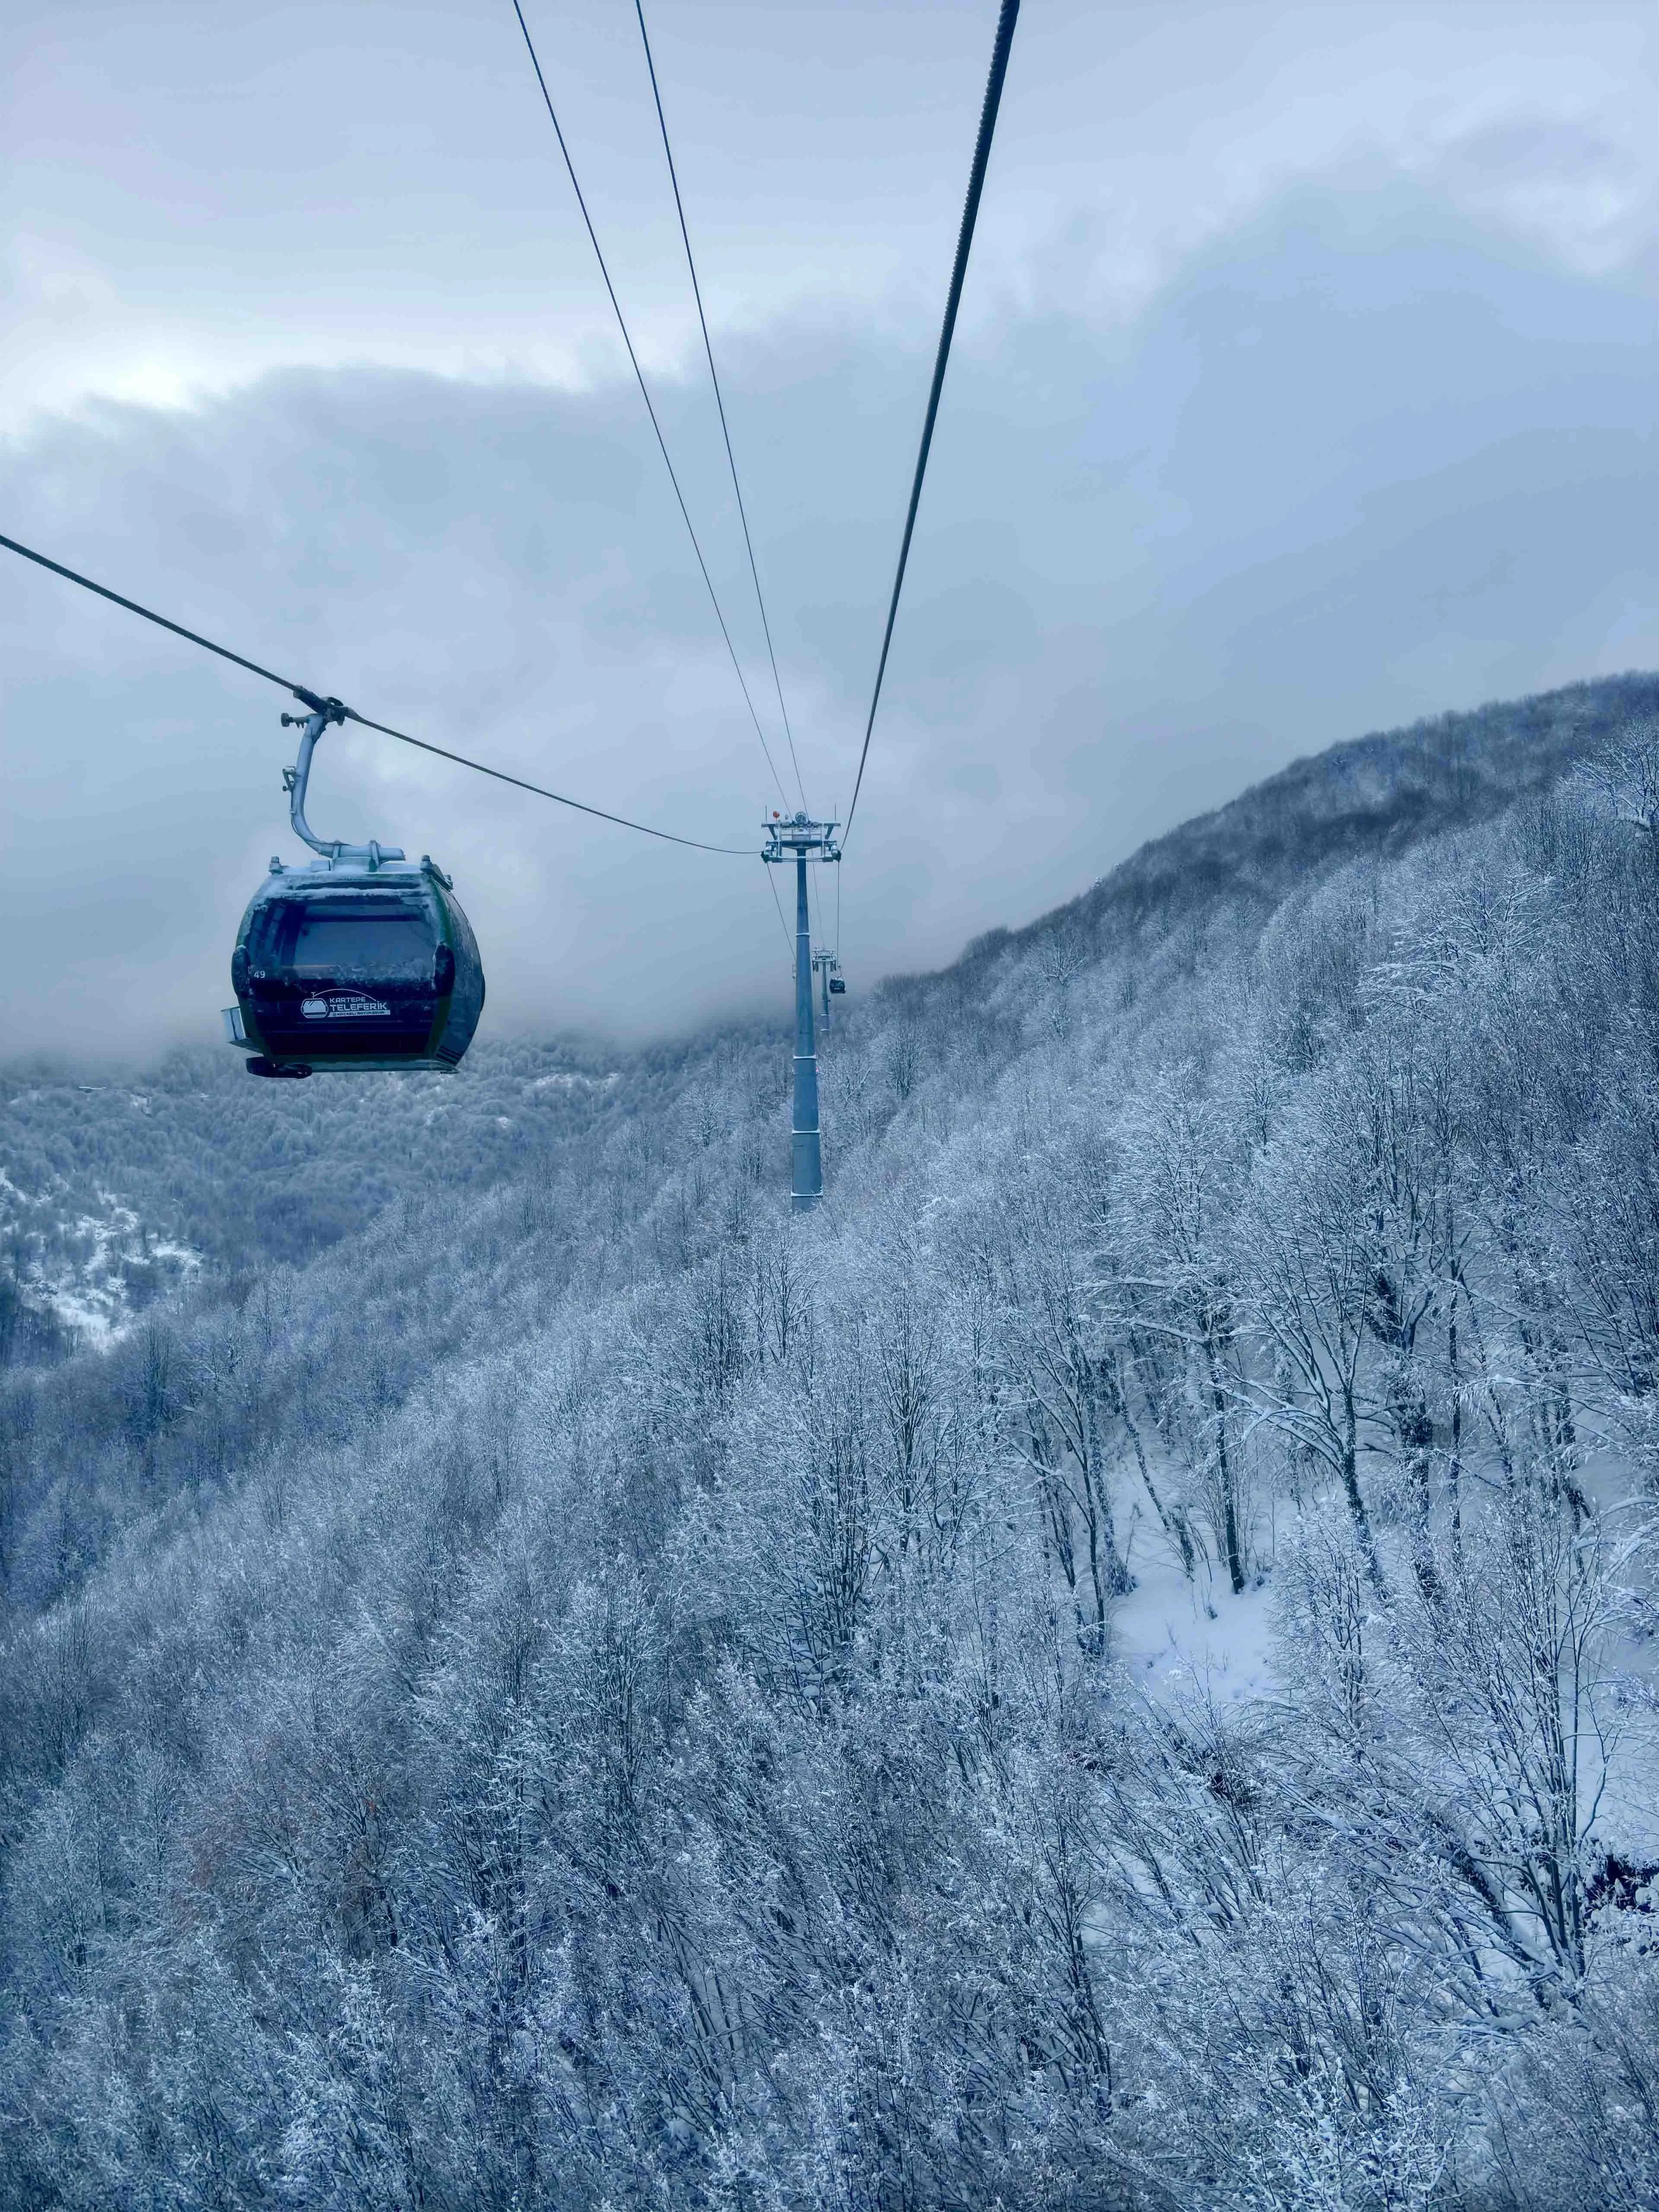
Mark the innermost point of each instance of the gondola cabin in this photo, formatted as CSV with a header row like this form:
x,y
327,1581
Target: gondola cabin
x,y
339,967
358,960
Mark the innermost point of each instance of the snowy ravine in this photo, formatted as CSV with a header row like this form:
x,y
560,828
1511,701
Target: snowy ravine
x,y
84,1275
1111,1667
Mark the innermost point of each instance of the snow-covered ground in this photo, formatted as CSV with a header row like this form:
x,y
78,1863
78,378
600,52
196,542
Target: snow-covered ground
x,y
1179,1634
89,1269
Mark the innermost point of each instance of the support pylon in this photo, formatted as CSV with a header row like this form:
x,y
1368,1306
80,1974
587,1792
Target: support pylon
x,y
799,840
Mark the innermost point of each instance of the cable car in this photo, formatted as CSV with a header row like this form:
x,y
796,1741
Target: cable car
x,y
356,961
837,987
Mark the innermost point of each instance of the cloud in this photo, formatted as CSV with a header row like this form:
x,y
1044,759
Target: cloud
x,y
200,195
1355,466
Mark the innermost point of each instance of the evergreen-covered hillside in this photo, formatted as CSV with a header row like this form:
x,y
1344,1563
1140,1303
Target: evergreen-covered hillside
x,y
1110,1667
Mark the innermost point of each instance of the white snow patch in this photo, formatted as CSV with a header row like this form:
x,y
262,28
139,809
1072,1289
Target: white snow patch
x,y
573,1082
1177,1634
77,1268
92,1309
186,1255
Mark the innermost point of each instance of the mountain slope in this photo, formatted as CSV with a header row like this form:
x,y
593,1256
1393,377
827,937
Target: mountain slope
x,y
1375,795
592,1692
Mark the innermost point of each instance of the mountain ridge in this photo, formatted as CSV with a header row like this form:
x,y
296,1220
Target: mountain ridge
x,y
1390,789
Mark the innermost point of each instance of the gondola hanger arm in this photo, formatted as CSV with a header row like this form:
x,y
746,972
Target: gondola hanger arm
x,y
296,779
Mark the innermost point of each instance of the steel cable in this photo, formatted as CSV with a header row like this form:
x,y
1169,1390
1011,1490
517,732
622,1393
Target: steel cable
x,y
788,940
720,400
987,123
645,394
315,701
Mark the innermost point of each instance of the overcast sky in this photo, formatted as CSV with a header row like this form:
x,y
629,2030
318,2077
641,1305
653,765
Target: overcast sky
x,y
1305,385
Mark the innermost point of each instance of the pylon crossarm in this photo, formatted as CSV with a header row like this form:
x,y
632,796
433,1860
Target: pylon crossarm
x,y
795,837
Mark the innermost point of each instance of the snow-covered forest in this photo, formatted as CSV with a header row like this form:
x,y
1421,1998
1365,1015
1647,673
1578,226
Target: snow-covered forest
x,y
1111,1667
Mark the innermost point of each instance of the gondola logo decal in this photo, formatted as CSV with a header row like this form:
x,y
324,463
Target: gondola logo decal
x,y
341,1006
